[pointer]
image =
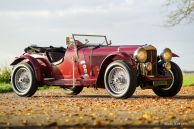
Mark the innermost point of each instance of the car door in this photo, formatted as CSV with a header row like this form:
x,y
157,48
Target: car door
x,y
84,62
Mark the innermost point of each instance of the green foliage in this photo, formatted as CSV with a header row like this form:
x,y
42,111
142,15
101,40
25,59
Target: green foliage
x,y
5,75
181,10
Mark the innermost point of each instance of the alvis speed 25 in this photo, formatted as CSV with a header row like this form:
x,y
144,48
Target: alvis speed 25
x,y
91,60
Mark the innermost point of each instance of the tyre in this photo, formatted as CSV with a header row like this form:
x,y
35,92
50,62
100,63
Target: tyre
x,y
72,90
120,79
174,85
23,80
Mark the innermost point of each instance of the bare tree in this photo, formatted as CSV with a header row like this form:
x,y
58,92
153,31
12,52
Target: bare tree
x,y
182,10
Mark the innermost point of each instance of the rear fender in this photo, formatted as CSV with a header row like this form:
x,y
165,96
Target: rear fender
x,y
110,58
35,64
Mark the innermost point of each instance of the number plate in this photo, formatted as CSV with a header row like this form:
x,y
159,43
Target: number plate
x,y
159,83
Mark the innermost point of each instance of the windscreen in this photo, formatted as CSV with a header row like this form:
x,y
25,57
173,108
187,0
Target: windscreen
x,y
90,39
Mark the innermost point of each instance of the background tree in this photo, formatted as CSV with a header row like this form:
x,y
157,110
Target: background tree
x,y
181,11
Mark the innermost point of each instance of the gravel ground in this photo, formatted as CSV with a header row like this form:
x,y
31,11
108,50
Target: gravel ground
x,y
96,109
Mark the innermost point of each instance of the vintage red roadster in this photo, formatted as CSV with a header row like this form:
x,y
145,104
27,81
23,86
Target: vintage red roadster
x,y
91,60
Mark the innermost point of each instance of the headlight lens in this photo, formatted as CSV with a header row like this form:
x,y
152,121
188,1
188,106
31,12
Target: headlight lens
x,y
140,55
166,55
148,66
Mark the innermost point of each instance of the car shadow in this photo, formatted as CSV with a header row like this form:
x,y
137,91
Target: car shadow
x,y
72,96
90,96
157,97
81,126
177,97
183,97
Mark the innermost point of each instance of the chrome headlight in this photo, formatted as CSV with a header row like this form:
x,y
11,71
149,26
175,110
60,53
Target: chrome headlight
x,y
140,55
166,55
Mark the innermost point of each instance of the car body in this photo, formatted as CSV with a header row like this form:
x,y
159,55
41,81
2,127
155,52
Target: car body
x,y
91,60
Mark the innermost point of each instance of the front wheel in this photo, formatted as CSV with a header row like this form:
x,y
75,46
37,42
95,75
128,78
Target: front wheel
x,y
174,85
23,80
72,90
120,79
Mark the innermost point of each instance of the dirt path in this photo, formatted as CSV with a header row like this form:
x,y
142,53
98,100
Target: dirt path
x,y
96,108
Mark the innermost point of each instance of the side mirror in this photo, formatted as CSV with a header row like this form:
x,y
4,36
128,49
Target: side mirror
x,y
67,41
109,43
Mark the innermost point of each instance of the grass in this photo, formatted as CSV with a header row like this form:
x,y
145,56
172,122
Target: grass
x,y
188,80
48,87
5,87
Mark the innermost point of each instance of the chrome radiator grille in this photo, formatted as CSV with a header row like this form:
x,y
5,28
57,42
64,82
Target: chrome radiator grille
x,y
152,57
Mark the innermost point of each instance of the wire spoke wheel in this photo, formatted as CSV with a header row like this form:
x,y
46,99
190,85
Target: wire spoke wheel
x,y
118,80
23,80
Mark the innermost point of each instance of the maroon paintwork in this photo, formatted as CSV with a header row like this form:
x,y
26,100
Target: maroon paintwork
x,y
96,59
61,74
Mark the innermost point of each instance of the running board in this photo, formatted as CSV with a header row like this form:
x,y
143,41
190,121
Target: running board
x,y
49,79
62,82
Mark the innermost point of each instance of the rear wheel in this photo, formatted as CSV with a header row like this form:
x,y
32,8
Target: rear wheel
x,y
72,90
174,85
23,80
120,79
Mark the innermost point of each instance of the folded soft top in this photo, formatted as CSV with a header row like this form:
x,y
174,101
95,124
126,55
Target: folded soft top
x,y
38,49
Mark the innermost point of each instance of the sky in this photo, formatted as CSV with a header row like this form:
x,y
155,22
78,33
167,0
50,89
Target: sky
x,y
48,22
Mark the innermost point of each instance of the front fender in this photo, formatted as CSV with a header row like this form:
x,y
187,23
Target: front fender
x,y
110,58
35,64
175,55
119,55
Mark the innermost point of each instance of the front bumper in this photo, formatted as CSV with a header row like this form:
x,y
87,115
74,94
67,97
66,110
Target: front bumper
x,y
157,78
154,81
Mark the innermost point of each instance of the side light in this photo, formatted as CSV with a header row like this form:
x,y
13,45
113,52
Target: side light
x,y
148,66
167,66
